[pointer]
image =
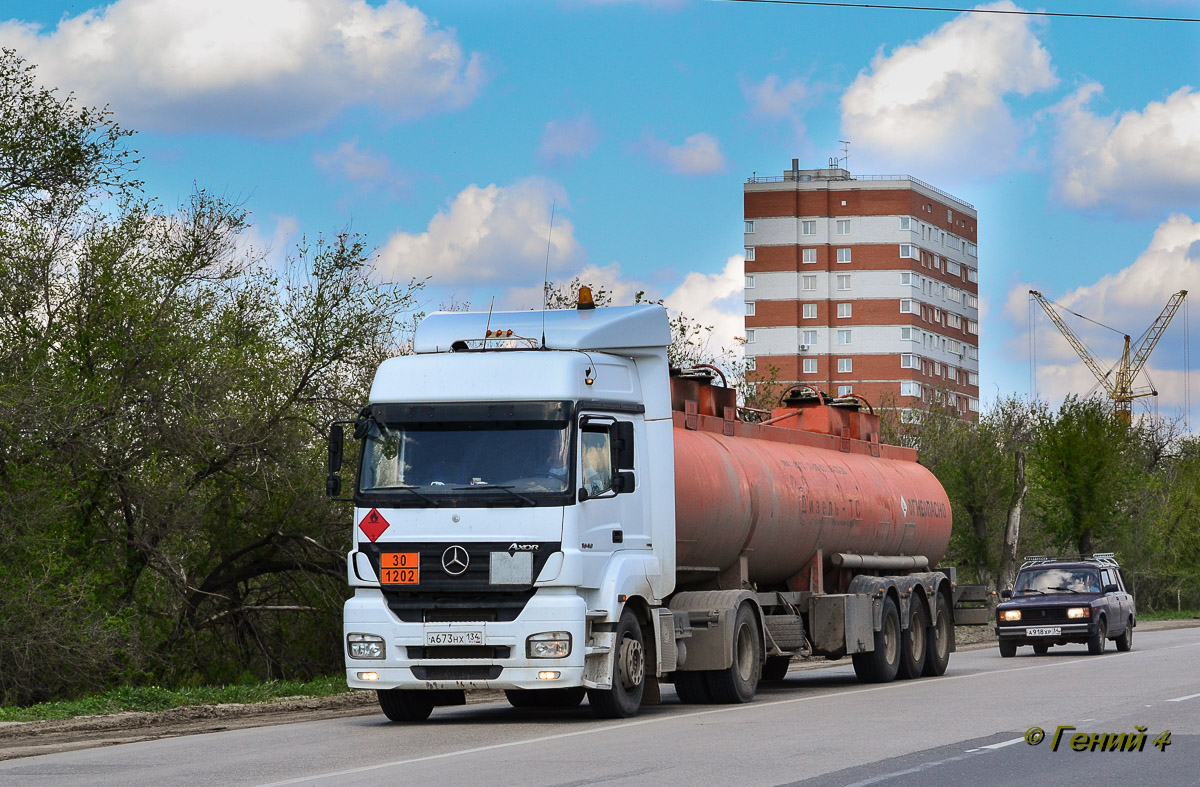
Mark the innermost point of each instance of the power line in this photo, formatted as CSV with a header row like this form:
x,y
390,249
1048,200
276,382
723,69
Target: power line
x,y
1010,12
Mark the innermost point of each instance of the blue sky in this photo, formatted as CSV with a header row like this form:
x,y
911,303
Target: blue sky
x,y
447,132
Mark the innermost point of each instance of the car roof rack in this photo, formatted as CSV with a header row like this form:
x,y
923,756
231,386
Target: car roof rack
x,y
1099,558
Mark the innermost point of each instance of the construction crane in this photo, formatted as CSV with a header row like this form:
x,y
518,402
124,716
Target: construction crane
x,y
1119,385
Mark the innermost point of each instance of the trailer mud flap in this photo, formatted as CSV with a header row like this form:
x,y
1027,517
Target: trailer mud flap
x,y
841,624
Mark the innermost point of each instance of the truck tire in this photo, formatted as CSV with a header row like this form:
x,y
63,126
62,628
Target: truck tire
x,y
882,664
692,688
1125,641
776,668
521,698
629,673
560,698
739,681
405,705
938,640
1097,641
914,641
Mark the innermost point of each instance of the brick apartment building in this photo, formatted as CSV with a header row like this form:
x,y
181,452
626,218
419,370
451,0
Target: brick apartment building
x,y
863,285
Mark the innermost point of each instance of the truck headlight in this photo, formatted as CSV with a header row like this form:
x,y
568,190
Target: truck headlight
x,y
1079,612
1010,615
365,646
548,645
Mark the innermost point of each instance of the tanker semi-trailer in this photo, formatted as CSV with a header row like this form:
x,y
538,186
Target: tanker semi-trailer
x,y
542,507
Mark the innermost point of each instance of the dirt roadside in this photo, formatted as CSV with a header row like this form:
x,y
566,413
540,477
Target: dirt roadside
x,y
27,739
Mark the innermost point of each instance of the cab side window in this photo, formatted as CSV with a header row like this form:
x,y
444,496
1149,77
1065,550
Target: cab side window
x,y
606,456
596,455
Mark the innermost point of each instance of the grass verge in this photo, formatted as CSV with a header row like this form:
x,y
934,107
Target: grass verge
x,y
156,698
1169,614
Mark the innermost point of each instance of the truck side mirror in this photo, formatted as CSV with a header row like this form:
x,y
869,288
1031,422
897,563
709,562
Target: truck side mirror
x,y
623,482
333,485
622,432
1006,593
336,438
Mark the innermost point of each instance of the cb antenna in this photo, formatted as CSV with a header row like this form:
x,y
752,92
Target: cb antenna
x,y
488,330
546,273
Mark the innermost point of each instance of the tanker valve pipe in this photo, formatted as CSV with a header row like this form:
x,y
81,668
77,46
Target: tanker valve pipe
x,y
880,562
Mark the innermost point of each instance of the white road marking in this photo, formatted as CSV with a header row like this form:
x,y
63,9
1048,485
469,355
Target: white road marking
x,y
676,716
1181,699
1003,744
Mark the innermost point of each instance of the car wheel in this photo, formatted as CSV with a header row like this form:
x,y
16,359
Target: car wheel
x,y
1125,641
1008,648
1041,648
1097,641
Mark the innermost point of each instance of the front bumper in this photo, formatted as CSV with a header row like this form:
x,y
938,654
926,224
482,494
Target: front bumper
x,y
1068,632
367,613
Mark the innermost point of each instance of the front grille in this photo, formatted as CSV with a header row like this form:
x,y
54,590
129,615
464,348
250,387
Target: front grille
x,y
459,652
466,608
1038,616
456,673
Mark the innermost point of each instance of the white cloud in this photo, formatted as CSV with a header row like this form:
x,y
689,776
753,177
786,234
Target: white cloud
x,y
359,166
487,234
700,154
770,99
938,105
1136,162
565,139
716,300
261,67
272,245
1129,301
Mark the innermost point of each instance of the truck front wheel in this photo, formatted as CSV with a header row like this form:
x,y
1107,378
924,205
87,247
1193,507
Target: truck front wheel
x,y
629,673
882,664
402,705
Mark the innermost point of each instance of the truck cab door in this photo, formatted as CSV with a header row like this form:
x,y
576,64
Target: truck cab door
x,y
610,517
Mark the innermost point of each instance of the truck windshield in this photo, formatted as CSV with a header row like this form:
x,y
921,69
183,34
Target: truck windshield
x,y
1058,580
466,459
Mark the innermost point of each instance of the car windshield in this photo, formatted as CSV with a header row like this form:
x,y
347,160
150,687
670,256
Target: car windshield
x,y
1058,580
422,460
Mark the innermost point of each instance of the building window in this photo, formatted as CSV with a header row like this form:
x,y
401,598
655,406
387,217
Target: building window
x,y
845,365
953,320
906,306
749,308
973,405
972,250
972,302
808,311
843,281
909,388
972,378
843,255
749,282
808,256
810,365
749,253
749,227
972,327
808,338
844,310
909,252
905,223
843,337
937,368
910,361
750,363
906,334
808,281
906,279
937,262
749,335
950,216
953,268
843,227
844,390
808,228
973,353
972,274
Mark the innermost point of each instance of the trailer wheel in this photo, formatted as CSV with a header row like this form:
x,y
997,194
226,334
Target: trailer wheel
x,y
739,682
914,642
882,664
692,688
404,705
937,643
629,673
776,667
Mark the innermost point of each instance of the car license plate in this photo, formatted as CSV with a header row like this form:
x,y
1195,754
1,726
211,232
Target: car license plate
x,y
453,637
400,568
1044,631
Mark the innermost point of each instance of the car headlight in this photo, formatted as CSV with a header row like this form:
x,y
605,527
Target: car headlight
x,y
1010,615
365,646
1079,612
548,645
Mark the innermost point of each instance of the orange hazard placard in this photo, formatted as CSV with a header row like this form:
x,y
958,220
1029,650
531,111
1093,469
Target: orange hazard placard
x,y
400,568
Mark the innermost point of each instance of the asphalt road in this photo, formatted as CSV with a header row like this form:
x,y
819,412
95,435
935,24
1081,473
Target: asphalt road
x,y
819,727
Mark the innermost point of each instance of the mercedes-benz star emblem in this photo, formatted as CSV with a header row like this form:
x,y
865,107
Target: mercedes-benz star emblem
x,y
455,560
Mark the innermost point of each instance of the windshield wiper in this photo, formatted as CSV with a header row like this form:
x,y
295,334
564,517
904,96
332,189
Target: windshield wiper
x,y
526,500
1065,589
413,490
1032,590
